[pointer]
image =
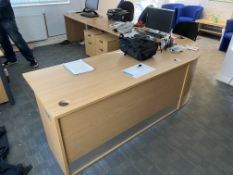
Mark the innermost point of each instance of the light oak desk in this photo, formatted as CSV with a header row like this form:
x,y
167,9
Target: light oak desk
x,y
75,25
107,108
209,26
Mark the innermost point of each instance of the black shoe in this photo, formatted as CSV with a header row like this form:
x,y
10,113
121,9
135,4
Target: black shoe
x,y
9,63
34,64
27,169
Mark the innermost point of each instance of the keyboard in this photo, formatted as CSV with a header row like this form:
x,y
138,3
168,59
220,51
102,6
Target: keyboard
x,y
155,35
89,14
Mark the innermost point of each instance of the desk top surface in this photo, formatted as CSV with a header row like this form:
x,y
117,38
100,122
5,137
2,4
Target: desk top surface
x,y
211,22
101,22
53,84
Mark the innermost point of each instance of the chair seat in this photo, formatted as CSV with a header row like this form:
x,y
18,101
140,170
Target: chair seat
x,y
184,19
228,35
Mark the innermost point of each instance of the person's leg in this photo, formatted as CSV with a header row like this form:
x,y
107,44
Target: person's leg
x,y
6,46
10,27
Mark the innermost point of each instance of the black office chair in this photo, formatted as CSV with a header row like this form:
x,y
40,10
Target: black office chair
x,y
187,29
143,16
127,5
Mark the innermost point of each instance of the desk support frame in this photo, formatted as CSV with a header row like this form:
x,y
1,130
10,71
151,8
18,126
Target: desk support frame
x,y
6,85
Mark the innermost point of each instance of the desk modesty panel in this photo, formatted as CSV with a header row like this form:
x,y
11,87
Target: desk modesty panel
x,y
108,108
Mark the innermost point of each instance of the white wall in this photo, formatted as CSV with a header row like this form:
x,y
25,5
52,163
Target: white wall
x,y
104,5
222,10
54,14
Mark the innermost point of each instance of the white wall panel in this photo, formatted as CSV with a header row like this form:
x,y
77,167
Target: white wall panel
x,y
54,14
32,27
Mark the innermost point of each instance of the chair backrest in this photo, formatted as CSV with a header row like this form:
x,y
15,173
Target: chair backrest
x,y
172,6
127,5
194,11
121,1
187,29
143,16
229,26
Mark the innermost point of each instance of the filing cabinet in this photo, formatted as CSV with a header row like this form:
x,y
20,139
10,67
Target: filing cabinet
x,y
106,43
90,45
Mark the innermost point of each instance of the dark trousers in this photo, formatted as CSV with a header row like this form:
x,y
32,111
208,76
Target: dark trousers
x,y
9,29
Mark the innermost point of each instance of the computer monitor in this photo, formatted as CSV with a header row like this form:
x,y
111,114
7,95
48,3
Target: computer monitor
x,y
91,5
160,19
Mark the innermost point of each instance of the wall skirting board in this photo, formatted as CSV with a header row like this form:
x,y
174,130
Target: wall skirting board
x,y
225,79
51,40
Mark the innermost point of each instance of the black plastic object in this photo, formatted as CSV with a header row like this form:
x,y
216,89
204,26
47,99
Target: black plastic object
x,y
187,29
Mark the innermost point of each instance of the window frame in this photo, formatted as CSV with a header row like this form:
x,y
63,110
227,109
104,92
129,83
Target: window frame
x,y
32,4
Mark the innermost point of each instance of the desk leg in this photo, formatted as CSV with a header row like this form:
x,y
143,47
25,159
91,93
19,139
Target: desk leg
x,y
6,86
74,30
185,94
199,28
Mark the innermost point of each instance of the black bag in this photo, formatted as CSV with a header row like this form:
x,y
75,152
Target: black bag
x,y
117,14
5,168
4,146
139,47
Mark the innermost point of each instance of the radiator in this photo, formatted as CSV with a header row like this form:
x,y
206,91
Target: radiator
x,y
32,27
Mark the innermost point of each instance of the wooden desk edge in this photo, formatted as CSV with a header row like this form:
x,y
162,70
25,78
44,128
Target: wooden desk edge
x,y
109,30
76,108
209,22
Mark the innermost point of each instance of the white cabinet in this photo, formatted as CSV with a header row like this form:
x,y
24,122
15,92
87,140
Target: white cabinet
x,y
226,73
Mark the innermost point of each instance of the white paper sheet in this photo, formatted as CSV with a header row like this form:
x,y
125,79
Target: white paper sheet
x,y
78,67
138,70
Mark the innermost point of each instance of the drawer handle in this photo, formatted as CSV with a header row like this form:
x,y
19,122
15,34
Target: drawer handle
x,y
89,35
101,41
90,43
101,50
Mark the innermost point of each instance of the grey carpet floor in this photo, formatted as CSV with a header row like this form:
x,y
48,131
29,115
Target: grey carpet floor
x,y
197,140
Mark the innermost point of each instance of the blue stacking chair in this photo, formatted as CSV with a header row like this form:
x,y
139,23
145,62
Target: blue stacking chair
x,y
189,13
227,35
